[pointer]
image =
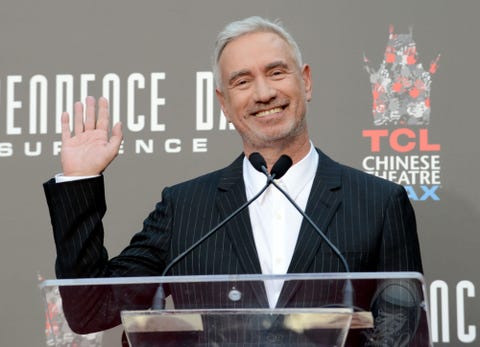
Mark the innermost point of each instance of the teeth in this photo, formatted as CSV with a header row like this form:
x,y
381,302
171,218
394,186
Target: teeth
x,y
267,112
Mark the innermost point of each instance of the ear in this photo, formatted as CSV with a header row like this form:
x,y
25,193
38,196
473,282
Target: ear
x,y
221,101
307,81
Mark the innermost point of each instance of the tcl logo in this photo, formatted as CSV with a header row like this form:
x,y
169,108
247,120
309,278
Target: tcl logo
x,y
401,140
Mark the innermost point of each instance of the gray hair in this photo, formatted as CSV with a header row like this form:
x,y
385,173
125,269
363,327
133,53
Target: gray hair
x,y
246,26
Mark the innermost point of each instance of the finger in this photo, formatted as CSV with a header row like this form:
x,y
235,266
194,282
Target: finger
x,y
103,114
66,134
117,136
78,120
90,113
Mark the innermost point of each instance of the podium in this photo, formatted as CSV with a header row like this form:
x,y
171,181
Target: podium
x,y
233,310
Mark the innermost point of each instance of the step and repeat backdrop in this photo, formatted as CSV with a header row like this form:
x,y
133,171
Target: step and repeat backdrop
x,y
395,94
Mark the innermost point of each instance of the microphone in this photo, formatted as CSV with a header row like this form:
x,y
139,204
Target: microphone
x,y
279,168
277,172
258,162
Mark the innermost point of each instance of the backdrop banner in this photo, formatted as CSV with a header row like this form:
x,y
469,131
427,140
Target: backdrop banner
x,y
395,94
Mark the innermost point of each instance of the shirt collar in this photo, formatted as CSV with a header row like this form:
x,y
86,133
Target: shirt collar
x,y
293,182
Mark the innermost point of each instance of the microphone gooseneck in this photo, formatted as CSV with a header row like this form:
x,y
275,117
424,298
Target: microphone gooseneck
x,y
259,164
278,170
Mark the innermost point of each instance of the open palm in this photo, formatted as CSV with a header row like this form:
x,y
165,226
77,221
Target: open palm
x,y
89,150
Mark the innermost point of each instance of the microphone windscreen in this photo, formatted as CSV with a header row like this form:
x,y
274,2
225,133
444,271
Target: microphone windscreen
x,y
281,166
257,161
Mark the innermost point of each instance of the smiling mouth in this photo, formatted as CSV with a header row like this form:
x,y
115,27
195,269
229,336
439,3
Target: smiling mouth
x,y
269,112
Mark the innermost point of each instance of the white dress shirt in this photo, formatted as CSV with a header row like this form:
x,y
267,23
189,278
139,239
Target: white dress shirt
x,y
275,222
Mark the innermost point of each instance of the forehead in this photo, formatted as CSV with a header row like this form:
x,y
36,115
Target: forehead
x,y
259,48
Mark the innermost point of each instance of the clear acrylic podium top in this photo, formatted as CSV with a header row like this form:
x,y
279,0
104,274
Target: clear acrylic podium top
x,y
233,310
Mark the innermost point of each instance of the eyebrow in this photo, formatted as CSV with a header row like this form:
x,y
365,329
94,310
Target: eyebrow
x,y
276,64
236,74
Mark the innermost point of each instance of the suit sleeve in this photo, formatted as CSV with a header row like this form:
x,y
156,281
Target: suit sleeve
x,y
76,212
399,250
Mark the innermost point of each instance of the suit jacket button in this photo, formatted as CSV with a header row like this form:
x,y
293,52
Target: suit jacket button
x,y
266,323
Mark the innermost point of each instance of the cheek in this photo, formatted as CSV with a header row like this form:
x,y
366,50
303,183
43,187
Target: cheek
x,y
228,109
238,107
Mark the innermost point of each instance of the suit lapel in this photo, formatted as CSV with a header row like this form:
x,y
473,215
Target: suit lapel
x,y
231,195
323,202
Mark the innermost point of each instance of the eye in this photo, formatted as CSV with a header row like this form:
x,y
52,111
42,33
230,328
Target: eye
x,y
277,74
241,83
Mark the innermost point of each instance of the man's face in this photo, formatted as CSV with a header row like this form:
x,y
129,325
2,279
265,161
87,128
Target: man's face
x,y
263,91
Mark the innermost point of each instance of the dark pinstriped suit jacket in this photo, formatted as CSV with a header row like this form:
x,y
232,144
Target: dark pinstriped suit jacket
x,y
369,219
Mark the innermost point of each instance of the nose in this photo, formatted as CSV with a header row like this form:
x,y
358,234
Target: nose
x,y
264,91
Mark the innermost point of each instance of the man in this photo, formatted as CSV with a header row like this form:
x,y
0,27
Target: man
x,y
263,88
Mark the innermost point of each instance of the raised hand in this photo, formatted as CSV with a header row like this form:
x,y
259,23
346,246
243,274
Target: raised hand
x,y
89,150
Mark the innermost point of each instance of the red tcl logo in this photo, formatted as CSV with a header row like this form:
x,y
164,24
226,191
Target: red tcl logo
x,y
401,140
